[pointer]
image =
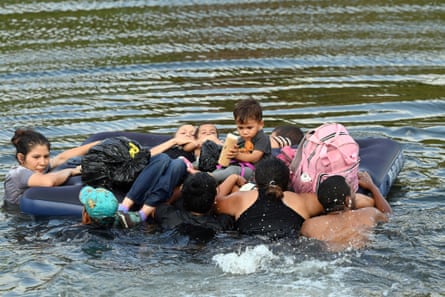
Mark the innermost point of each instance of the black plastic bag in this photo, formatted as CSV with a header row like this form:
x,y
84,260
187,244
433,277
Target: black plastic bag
x,y
208,158
114,163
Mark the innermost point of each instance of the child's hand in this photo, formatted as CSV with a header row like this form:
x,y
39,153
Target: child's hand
x,y
233,153
240,181
182,140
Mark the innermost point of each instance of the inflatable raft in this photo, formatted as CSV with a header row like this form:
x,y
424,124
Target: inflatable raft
x,y
381,157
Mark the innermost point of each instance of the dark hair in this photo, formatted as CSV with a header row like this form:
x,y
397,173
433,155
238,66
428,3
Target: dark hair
x,y
290,131
198,192
198,128
272,176
332,193
25,140
248,109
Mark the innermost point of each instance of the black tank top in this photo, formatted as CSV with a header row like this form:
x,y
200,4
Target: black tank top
x,y
269,217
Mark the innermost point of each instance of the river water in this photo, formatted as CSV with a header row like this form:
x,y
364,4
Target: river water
x,y
73,68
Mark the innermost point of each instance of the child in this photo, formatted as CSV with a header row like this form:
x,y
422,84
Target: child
x,y
208,148
287,135
253,144
99,207
183,144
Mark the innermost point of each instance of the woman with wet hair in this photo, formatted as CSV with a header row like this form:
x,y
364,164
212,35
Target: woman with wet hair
x,y
269,209
35,165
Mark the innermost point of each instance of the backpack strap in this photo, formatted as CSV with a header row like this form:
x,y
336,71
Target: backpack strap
x,y
298,155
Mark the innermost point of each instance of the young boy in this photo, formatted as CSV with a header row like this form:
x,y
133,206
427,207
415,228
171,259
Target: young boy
x,y
253,144
99,207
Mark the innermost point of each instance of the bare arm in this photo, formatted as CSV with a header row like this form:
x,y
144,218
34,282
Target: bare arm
x,y
362,200
74,152
235,203
229,185
52,179
229,205
188,145
305,204
252,157
365,181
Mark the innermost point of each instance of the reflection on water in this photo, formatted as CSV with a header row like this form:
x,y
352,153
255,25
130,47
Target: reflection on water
x,y
73,68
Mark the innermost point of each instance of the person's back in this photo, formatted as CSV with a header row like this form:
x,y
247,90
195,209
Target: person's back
x,y
192,214
343,226
269,210
172,216
269,216
351,228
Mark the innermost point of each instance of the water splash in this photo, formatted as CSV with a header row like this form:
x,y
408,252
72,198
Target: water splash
x,y
249,261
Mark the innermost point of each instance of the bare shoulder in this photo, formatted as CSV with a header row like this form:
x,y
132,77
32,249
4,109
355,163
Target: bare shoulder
x,y
236,203
318,227
306,202
369,216
362,200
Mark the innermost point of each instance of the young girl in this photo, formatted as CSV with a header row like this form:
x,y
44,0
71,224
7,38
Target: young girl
x,y
35,164
182,144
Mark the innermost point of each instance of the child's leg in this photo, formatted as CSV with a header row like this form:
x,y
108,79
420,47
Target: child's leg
x,y
221,174
162,191
145,181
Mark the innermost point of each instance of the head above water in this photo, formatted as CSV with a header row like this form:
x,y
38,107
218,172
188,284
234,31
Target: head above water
x,y
287,135
199,192
248,109
99,203
186,130
272,175
333,192
25,140
205,130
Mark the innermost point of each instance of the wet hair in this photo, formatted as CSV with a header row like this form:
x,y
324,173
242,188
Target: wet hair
x,y
291,132
198,128
332,193
272,176
248,109
25,140
198,192
181,127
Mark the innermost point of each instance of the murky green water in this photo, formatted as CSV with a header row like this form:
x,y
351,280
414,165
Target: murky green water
x,y
73,68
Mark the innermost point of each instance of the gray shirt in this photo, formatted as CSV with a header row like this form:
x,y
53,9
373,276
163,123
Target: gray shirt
x,y
16,183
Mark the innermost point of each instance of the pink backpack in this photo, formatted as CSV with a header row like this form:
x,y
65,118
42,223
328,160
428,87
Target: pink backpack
x,y
287,154
325,151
